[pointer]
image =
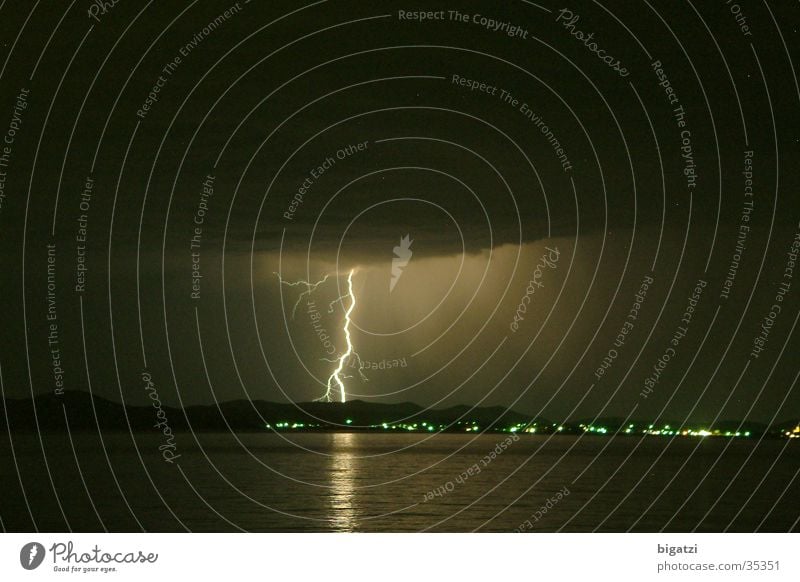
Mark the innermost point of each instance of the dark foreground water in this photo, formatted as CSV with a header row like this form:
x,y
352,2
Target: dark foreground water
x,y
377,482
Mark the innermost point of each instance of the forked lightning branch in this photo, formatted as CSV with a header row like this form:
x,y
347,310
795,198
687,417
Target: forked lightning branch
x,y
335,382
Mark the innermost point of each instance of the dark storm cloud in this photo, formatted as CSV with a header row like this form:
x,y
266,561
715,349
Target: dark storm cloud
x,y
280,137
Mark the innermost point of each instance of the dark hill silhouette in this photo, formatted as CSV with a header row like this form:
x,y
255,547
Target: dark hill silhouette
x,y
86,412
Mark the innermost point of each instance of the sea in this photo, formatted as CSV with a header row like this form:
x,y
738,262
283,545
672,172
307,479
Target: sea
x,y
410,482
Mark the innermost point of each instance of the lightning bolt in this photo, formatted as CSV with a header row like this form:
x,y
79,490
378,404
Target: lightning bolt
x,y
335,380
310,288
337,373
32,555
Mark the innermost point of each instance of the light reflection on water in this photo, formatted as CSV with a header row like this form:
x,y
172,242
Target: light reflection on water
x,y
342,496
378,482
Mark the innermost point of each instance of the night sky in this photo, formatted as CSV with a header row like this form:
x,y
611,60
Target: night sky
x,y
635,192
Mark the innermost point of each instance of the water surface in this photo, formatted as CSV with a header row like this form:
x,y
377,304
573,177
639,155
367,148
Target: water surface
x,y
398,482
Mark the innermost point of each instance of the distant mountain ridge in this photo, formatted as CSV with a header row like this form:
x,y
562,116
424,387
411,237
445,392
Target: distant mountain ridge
x,y
87,412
